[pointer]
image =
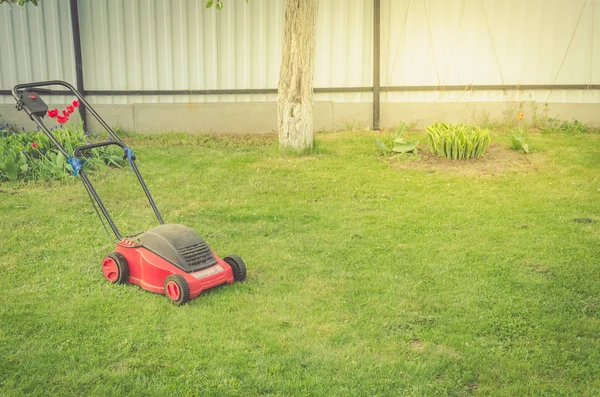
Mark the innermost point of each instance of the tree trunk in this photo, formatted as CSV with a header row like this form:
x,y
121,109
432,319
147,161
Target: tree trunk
x,y
295,102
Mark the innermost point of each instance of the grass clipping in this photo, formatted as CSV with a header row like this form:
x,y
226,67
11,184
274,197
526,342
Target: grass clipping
x,y
457,141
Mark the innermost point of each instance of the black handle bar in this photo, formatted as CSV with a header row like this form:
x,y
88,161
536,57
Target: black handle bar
x,y
89,146
45,91
19,88
28,87
36,87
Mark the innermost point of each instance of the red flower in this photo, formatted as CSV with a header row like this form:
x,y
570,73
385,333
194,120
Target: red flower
x,y
71,109
34,145
62,119
53,113
76,103
65,113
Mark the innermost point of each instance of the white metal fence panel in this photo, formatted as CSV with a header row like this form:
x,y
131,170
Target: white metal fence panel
x,y
180,45
344,49
489,42
36,44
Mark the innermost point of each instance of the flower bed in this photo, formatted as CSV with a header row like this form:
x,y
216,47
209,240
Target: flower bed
x,y
32,156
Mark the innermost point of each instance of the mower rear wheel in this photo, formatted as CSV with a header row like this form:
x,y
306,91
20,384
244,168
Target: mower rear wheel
x,y
177,289
238,266
115,268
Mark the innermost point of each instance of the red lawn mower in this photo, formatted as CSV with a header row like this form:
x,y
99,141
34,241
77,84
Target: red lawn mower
x,y
167,259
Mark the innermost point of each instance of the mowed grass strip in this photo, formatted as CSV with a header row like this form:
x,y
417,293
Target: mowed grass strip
x,y
365,276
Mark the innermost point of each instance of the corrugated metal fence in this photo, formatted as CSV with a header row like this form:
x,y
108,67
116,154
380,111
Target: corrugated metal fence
x,y
181,45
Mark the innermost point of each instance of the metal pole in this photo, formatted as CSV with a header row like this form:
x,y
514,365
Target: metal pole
x,y
376,61
403,88
148,195
78,57
94,194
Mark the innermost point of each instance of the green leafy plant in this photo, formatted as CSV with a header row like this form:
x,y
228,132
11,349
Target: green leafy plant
x,y
519,135
567,127
539,117
519,141
355,126
209,3
399,144
32,156
20,2
457,141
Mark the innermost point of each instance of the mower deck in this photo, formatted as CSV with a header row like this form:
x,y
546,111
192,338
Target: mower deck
x,y
172,260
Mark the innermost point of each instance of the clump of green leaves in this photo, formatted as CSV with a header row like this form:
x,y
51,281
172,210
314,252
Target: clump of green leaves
x,y
519,141
457,141
399,144
217,3
32,156
20,2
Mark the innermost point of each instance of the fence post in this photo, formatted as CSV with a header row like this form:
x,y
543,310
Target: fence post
x,y
78,57
376,62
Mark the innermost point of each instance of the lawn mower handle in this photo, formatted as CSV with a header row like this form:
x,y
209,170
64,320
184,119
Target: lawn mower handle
x,y
81,148
35,87
17,92
39,90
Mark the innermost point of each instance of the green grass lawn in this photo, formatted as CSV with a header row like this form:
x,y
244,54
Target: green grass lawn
x,y
366,277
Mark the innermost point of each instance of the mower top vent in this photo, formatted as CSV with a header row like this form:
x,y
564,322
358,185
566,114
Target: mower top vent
x,y
180,245
198,254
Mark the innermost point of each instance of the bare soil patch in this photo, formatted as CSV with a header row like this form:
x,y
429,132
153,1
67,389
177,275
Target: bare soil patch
x,y
497,160
417,345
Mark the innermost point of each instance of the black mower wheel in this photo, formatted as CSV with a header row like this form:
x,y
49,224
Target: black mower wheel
x,y
115,268
238,266
177,289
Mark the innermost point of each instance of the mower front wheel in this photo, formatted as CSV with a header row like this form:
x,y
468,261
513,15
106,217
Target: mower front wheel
x,y
238,266
115,268
177,289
